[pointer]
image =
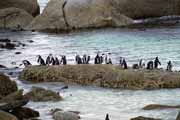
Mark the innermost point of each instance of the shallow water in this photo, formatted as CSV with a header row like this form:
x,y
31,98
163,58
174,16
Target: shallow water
x,y
93,103
131,44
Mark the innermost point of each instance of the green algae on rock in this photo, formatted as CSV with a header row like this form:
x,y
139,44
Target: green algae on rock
x,y
106,76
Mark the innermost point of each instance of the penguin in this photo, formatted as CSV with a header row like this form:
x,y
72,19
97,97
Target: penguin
x,y
84,59
88,59
26,63
57,61
141,63
156,63
120,61
97,59
41,60
107,117
78,59
150,65
124,64
53,61
169,66
48,59
64,61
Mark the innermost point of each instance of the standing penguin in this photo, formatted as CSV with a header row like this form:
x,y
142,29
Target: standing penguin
x,y
78,59
150,65
124,64
64,60
57,61
97,59
84,59
141,63
49,59
120,61
107,117
156,62
88,59
169,66
41,60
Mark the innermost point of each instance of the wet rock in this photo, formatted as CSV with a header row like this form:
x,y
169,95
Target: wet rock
x,y
18,95
157,106
6,85
13,105
57,109
25,113
178,116
61,115
103,76
5,40
14,18
17,53
7,116
144,118
30,6
30,41
8,46
41,94
2,66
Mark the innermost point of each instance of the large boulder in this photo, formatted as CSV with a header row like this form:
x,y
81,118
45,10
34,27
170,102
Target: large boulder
x,y
93,13
25,113
147,8
31,6
178,116
14,18
7,116
144,118
157,106
12,97
40,94
63,15
51,18
13,105
6,85
62,115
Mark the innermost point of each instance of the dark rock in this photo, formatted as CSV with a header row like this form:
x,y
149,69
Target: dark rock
x,y
41,94
30,41
144,118
12,97
6,116
17,53
25,113
13,105
10,46
156,106
5,40
178,117
6,85
2,66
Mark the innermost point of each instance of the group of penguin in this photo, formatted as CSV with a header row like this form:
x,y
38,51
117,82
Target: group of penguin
x,y
99,59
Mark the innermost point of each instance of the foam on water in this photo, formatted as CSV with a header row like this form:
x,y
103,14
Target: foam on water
x,y
93,103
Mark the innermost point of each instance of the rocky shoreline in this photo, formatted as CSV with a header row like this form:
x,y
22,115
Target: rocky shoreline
x,y
17,100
